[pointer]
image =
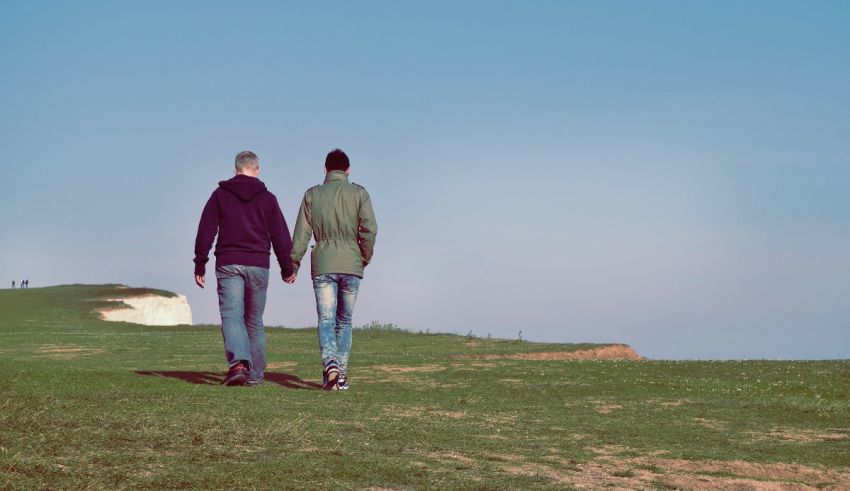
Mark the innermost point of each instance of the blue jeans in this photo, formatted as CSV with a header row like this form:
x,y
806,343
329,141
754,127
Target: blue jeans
x,y
335,297
241,301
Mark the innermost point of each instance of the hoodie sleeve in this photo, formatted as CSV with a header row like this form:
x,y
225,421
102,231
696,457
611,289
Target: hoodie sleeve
x,y
207,230
281,240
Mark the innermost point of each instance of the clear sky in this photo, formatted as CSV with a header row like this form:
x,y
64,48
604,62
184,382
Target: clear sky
x,y
672,175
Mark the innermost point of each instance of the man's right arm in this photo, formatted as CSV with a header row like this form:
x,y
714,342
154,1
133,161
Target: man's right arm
x,y
302,233
207,230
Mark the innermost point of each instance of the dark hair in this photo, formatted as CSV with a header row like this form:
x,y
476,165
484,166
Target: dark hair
x,y
336,160
247,159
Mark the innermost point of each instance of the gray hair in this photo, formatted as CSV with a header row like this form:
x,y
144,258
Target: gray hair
x,y
246,159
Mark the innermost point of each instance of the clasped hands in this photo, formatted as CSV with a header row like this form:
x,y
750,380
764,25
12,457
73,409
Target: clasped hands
x,y
199,279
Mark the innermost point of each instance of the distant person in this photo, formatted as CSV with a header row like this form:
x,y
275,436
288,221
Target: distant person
x,y
248,221
339,215
13,283
26,283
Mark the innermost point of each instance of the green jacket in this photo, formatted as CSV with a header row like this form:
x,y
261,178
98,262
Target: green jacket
x,y
339,215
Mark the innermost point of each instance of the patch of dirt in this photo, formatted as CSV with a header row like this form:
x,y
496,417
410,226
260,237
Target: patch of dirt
x,y
608,408
448,457
611,352
512,381
711,424
505,457
603,407
65,352
408,369
674,403
652,471
420,411
282,365
534,470
801,435
404,412
412,380
501,419
471,344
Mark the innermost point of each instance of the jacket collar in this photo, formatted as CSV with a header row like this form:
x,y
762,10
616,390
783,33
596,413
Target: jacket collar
x,y
336,175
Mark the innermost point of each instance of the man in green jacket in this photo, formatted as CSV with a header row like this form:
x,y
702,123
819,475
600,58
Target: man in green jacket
x,y
339,215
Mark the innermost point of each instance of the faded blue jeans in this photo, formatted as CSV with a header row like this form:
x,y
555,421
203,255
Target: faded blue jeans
x,y
335,297
241,301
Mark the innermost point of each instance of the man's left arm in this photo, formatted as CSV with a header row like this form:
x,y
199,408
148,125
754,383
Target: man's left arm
x,y
301,235
367,228
281,240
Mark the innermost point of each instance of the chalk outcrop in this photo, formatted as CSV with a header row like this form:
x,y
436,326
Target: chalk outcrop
x,y
151,310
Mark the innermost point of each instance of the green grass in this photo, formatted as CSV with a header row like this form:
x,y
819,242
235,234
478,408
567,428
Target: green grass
x,y
100,405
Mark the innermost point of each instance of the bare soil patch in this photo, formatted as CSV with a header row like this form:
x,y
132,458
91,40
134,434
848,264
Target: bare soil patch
x,y
65,352
802,435
612,469
512,381
409,369
420,411
673,403
711,424
611,352
608,408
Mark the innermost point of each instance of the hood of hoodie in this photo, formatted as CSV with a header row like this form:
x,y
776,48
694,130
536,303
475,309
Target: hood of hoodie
x,y
243,187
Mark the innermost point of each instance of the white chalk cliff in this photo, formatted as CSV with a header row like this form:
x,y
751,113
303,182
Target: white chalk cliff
x,y
151,310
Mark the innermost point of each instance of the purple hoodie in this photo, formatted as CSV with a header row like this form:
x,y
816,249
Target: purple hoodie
x,y
248,220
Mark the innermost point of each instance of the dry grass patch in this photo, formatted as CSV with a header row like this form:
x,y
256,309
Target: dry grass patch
x,y
420,412
612,352
611,469
608,408
409,369
65,352
512,381
801,435
711,424
675,403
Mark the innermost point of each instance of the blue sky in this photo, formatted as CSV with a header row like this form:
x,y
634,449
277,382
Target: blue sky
x,y
670,175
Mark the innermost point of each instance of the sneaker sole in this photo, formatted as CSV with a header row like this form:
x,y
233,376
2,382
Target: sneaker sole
x,y
235,380
333,377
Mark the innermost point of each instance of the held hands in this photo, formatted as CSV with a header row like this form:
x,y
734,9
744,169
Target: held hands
x,y
291,278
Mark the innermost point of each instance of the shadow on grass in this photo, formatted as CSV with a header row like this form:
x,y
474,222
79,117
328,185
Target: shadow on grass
x,y
211,378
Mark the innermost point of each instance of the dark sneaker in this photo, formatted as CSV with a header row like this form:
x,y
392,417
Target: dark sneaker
x,y
331,376
237,375
342,383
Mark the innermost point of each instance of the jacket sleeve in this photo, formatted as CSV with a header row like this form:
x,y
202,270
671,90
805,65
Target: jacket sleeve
x,y
281,240
303,232
367,228
207,230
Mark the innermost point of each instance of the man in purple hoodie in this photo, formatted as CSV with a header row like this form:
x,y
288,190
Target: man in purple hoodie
x,y
248,221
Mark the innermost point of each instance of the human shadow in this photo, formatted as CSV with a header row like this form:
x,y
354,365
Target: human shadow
x,y
211,378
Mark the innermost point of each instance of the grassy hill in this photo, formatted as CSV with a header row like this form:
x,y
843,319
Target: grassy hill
x,y
98,405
